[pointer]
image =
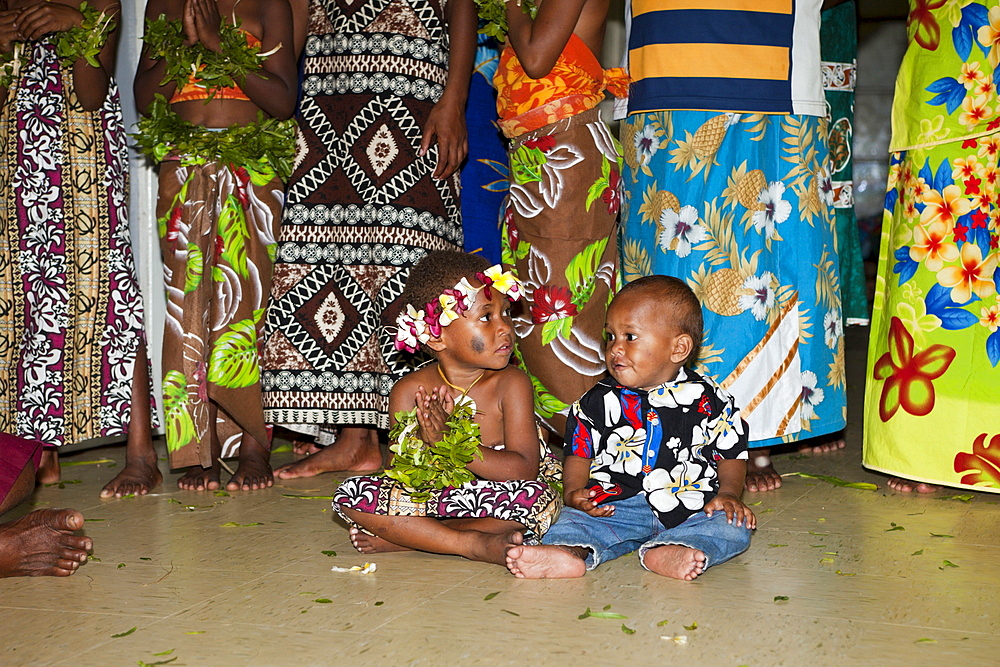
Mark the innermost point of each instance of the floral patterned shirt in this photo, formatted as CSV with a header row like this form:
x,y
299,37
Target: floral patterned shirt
x,y
662,443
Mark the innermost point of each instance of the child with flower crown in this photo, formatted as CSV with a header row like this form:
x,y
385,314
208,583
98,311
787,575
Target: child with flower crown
x,y
469,405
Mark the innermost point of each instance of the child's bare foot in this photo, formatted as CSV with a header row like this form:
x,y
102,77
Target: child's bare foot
x,y
546,562
675,561
372,544
909,486
356,450
42,543
201,479
831,442
761,475
254,471
493,547
138,477
48,469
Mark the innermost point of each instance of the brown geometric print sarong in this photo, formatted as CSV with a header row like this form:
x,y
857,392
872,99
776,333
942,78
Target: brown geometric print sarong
x,y
559,237
217,236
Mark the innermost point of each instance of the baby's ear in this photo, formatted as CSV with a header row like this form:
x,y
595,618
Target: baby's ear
x,y
681,348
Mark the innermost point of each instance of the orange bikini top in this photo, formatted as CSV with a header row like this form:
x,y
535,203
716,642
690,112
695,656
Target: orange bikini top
x,y
194,90
576,83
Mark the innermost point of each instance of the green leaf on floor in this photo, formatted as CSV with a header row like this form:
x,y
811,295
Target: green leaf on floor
x,y
755,504
510,612
121,565
144,558
168,652
292,495
94,558
894,527
222,494
769,509
917,552
946,563
846,574
308,593
820,520
831,553
607,607
95,519
126,633
600,614
282,448
826,560
323,600
175,501
818,546
67,464
925,640
627,630
693,626
777,545
814,534
234,524
491,596
965,497
662,623
62,484
196,632
153,664
379,603
329,552
940,535
781,598
836,481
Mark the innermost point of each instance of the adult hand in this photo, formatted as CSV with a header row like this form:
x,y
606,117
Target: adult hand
x,y
446,127
8,30
40,19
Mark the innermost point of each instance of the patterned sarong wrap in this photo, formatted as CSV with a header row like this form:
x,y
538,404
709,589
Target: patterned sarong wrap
x,y
217,237
15,455
931,408
533,503
739,206
70,307
362,209
559,239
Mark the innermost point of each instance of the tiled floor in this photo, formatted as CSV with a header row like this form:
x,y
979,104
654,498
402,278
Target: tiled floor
x,y
177,582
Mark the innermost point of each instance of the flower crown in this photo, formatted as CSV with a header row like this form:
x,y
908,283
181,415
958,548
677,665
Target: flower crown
x,y
416,327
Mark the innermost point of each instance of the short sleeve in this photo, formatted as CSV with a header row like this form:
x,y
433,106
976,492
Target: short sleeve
x,y
728,433
579,435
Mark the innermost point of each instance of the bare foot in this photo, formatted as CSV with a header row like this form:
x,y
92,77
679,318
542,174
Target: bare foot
x,y
545,562
254,472
302,448
372,544
822,444
138,477
48,469
493,547
761,475
908,486
675,561
356,450
42,543
201,479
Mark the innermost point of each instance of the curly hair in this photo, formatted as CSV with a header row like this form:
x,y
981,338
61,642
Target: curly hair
x,y
437,271
681,307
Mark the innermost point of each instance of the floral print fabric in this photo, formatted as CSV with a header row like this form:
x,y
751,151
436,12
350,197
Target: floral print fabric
x,y
931,412
662,444
70,308
217,236
739,206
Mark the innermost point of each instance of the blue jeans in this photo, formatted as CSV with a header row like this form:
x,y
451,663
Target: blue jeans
x,y
635,526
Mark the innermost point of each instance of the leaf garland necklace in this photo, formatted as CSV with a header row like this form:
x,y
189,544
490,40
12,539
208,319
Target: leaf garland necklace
x,y
493,15
421,467
82,41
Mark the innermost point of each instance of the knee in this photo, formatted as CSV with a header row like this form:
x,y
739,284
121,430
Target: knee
x,y
737,536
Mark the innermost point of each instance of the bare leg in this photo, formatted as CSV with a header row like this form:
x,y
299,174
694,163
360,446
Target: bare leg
x,y
21,489
141,473
372,544
547,562
426,534
830,442
42,543
48,470
206,479
675,561
908,486
254,471
356,450
761,475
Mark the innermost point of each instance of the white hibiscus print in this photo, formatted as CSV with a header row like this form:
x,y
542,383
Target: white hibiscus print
x,y
682,227
825,186
684,484
623,450
646,144
775,209
675,395
760,300
811,395
833,328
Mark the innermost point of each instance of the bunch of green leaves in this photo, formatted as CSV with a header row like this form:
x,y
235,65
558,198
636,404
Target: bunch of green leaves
x,y
493,15
87,39
165,39
9,63
421,467
266,148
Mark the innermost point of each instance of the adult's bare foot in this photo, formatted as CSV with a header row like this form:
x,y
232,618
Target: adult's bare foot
x,y
356,450
303,448
372,544
831,442
675,561
545,562
48,469
201,479
138,477
42,543
493,547
254,471
909,486
761,475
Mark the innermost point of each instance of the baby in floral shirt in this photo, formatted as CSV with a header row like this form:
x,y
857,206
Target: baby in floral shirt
x,y
655,454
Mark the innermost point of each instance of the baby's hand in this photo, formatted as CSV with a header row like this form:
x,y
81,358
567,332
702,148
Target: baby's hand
x,y
734,509
434,407
581,500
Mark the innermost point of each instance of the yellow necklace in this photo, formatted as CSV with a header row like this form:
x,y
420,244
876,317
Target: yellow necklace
x,y
455,386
